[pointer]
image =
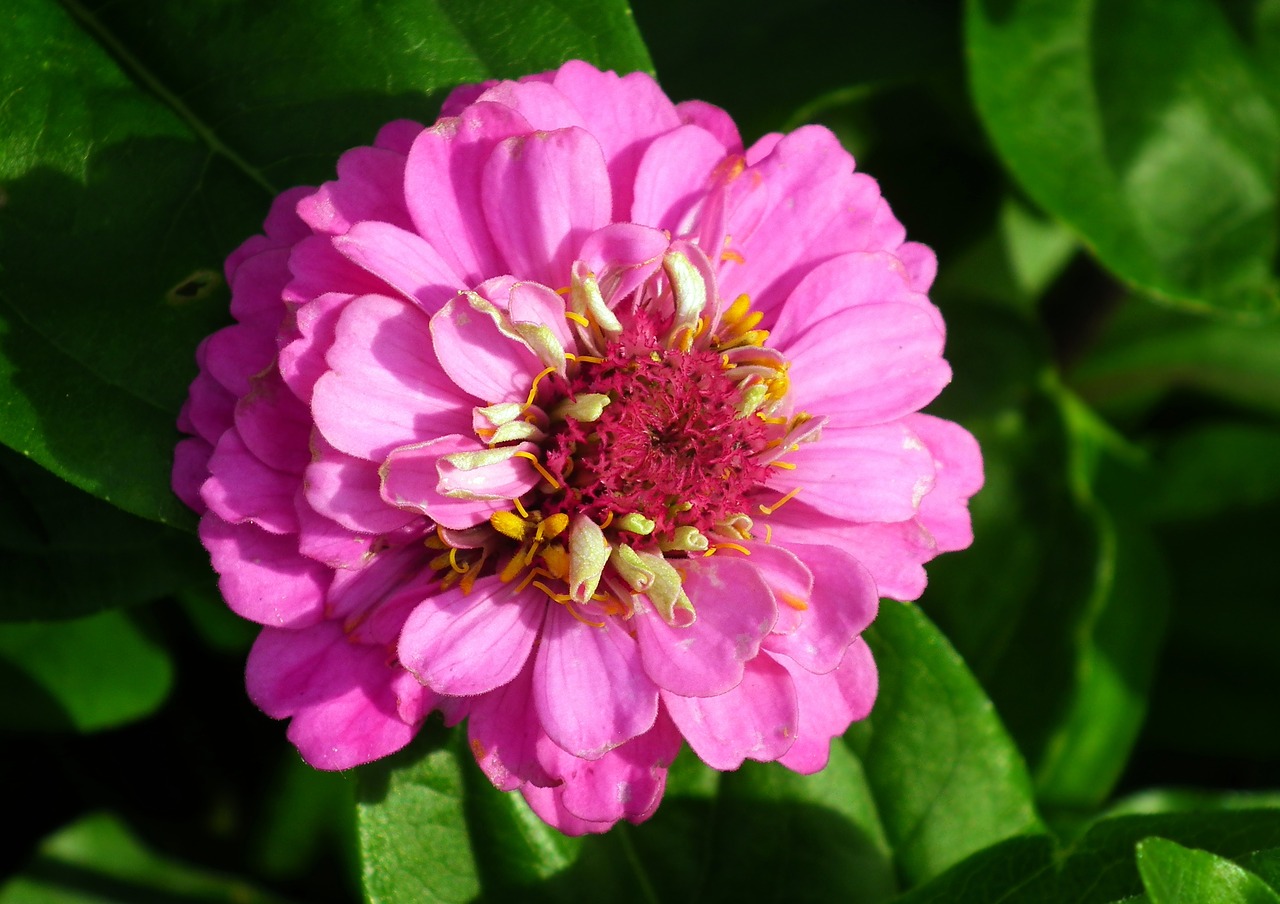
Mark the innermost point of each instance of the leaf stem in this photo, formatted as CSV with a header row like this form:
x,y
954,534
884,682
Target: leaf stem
x,y
148,80
623,831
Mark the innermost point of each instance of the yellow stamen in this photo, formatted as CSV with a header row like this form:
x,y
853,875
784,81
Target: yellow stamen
x,y
511,569
768,533
453,562
577,318
734,256
441,561
608,519
537,465
785,465
564,290
528,578
520,509
741,549
509,524
533,390
555,525
794,601
770,509
588,359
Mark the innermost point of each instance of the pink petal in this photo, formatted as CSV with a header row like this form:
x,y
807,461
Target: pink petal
x,y
302,357
370,186
328,542
829,704
478,357
241,488
348,490
870,364
262,576
211,406
757,720
461,644
878,473
622,256
385,388
397,135
256,288
273,424
319,269
548,804
339,695
542,195
789,579
235,353
589,687
403,261
673,177
843,603
735,610
539,103
536,304
442,185
945,511
714,120
190,469
921,264
418,478
858,278
504,730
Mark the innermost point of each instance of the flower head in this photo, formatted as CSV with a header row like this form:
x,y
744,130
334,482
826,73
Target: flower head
x,y
571,417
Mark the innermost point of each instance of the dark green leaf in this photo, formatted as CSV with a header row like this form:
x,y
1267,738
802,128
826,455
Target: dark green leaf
x,y
946,778
140,143
1173,874
1216,469
414,844
98,861
1139,123
84,674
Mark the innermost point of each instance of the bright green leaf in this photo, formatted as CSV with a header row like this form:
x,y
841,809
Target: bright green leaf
x,y
1173,874
1139,123
84,674
946,778
98,861
414,845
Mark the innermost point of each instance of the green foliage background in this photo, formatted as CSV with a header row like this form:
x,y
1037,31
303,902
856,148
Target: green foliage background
x,y
1083,707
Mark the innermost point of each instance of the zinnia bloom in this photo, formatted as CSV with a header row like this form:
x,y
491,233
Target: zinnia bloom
x,y
571,417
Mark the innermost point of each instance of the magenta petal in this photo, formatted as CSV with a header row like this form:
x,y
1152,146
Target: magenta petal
x,y
403,261
548,804
673,176
479,357
735,610
504,730
190,468
256,287
370,186
622,256
328,542
828,705
262,576
462,644
302,355
757,720
921,264
241,488
843,603
274,425
589,687
542,195
348,490
869,364
945,511
339,695
385,388
789,579
714,120
878,473
536,304
319,269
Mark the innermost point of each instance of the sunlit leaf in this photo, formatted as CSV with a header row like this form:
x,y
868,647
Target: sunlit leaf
x,y
1173,874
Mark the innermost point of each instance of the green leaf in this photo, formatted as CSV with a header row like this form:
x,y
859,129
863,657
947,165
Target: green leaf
x,y
85,674
65,554
414,845
1173,874
98,861
1097,868
140,143
1215,469
1141,124
946,778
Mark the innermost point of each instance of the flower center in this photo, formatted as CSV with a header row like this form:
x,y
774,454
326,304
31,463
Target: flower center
x,y
671,445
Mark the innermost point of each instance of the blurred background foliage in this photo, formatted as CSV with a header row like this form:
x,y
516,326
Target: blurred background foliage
x,y
1083,707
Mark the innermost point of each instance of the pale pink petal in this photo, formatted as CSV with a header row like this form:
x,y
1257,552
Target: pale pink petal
x,y
542,195
338,695
622,256
870,364
504,730
536,304
921,264
302,356
262,576
419,479
843,603
385,388
714,120
370,186
478,357
735,610
588,685
878,473
461,644
442,186
538,102
829,704
319,269
945,511
328,542
757,720
673,177
789,579
348,490
241,488
403,261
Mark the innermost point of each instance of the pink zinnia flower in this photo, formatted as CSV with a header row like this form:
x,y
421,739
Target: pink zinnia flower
x,y
571,417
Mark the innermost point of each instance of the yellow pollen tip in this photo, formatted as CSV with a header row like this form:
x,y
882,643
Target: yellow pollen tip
x,y
509,524
734,256
533,389
520,508
608,519
537,465
453,562
741,549
785,465
738,309
768,533
577,318
794,601
770,509
555,525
